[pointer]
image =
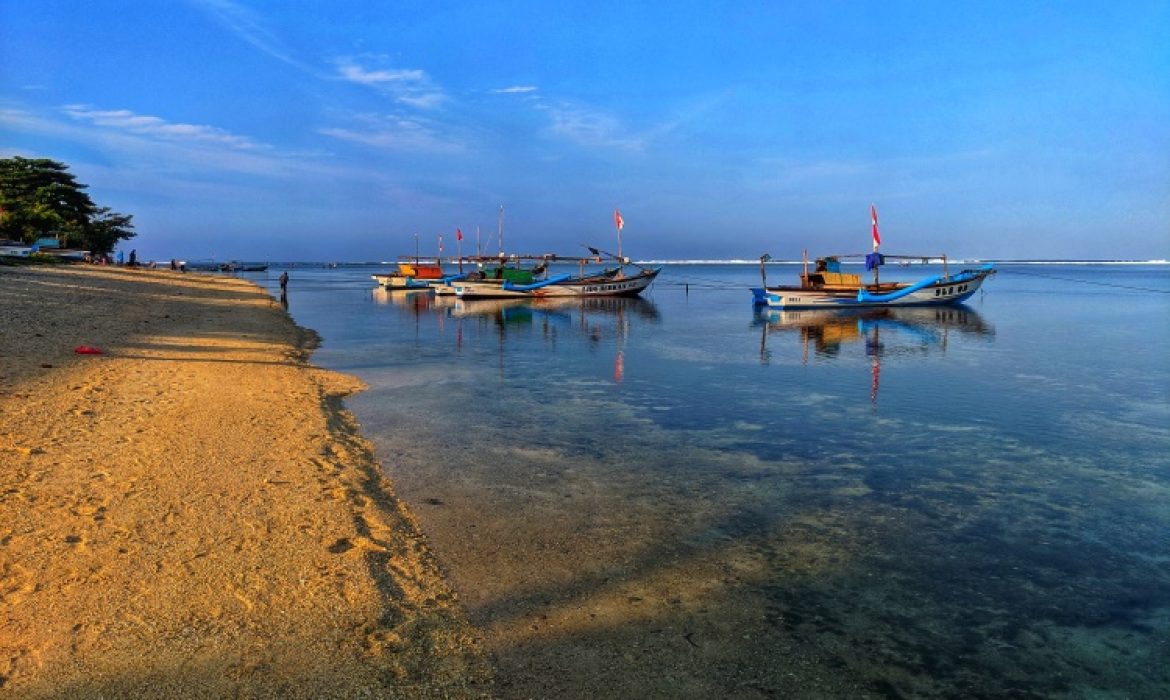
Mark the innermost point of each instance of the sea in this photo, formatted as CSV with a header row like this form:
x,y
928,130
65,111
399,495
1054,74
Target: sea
x,y
678,495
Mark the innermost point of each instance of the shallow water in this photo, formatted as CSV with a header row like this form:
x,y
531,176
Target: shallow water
x,y
676,496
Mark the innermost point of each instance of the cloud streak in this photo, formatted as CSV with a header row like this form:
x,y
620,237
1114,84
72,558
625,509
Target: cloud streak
x,y
156,127
408,86
153,144
394,133
591,128
248,26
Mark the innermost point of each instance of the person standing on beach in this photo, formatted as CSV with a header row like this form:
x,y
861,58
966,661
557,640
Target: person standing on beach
x,y
284,289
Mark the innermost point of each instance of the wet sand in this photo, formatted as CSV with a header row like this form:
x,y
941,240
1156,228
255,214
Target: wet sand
x,y
192,513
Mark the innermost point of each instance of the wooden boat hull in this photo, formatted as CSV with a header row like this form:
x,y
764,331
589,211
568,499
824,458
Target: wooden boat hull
x,y
400,282
607,286
942,291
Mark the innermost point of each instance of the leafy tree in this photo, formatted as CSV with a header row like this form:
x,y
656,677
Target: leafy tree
x,y
106,228
39,197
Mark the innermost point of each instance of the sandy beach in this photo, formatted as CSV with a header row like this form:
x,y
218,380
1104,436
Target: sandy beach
x,y
191,513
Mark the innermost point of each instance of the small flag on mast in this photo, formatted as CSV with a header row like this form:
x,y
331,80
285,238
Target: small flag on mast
x,y
458,234
877,240
617,219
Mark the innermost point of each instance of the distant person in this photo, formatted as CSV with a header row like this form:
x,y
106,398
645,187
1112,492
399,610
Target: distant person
x,y
284,289
174,264
134,258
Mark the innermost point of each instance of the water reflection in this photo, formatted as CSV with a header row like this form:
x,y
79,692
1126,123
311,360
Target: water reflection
x,y
601,322
879,332
883,330
504,309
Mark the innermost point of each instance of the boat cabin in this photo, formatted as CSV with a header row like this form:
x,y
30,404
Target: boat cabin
x,y
827,275
420,270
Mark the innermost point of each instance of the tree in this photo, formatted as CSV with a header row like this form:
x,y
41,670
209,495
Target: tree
x,y
106,228
40,198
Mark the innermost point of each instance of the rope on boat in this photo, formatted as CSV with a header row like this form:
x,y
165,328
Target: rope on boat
x,y
1134,288
697,282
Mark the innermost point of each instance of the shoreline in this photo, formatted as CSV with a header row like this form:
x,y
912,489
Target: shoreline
x,y
193,512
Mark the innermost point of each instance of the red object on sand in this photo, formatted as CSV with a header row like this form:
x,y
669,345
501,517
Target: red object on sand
x,y
87,350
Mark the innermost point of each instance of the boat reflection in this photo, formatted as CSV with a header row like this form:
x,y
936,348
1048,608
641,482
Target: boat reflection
x,y
399,297
600,321
879,332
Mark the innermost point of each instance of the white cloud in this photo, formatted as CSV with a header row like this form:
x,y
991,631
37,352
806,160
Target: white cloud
x,y
409,86
357,74
515,90
426,100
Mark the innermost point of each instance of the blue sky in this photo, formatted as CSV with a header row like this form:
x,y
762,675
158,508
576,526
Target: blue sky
x,y
338,130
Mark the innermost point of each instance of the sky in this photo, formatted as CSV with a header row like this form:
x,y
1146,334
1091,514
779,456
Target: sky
x,y
347,130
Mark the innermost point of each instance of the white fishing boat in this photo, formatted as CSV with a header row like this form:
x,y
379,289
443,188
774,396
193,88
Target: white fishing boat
x,y
14,249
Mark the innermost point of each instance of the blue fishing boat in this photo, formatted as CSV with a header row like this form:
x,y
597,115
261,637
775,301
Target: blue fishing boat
x,y
826,286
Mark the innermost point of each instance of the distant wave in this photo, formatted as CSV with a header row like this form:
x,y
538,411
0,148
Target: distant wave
x,y
933,261
750,261
1159,261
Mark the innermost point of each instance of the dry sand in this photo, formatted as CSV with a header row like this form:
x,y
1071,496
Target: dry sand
x,y
192,513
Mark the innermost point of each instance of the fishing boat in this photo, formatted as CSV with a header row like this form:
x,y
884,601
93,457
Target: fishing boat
x,y
237,266
826,286
411,273
14,249
608,282
415,272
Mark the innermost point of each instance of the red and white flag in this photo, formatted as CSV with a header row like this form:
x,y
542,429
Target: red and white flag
x,y
617,219
458,234
877,240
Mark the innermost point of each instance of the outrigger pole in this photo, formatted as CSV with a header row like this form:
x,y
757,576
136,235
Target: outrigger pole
x,y
600,251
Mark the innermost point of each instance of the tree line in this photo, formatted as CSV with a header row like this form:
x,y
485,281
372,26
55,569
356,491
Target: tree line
x,y
39,198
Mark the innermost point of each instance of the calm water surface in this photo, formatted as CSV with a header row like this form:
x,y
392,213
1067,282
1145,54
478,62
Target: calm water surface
x,y
676,496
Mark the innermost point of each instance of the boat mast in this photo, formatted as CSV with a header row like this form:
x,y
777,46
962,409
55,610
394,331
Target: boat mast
x,y
877,241
500,231
619,223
